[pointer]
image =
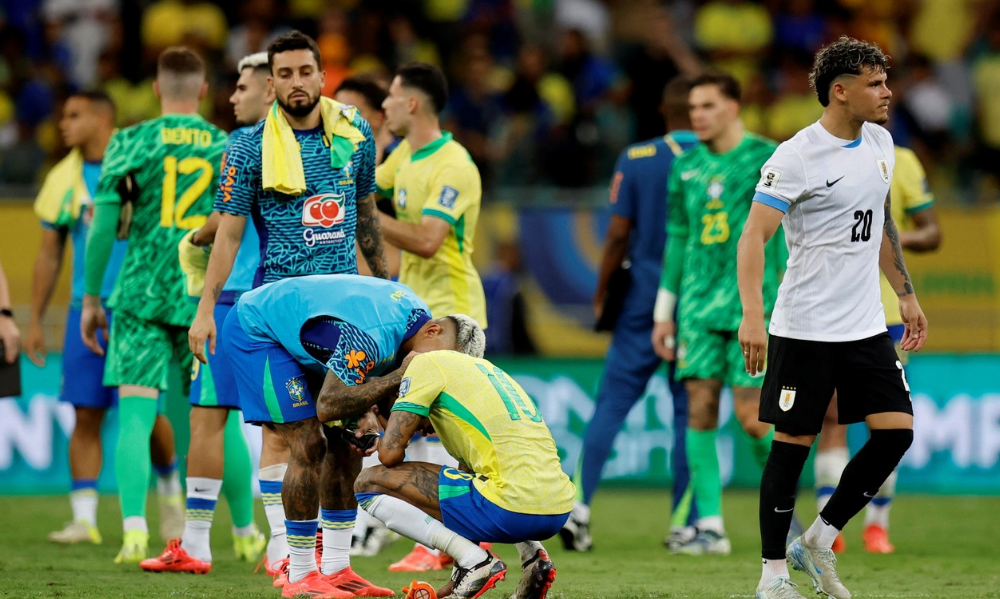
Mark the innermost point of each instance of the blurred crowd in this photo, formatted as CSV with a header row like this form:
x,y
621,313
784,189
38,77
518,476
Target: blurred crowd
x,y
543,91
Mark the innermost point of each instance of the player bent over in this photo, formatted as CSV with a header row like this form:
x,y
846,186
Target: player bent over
x,y
511,488
283,339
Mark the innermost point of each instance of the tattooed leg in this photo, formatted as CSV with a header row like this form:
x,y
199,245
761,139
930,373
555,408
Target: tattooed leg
x,y
415,483
300,490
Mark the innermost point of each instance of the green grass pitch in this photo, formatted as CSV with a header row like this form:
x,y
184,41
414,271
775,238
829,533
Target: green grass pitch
x,y
946,547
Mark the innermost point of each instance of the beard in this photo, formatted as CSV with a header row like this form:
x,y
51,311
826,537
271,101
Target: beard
x,y
299,110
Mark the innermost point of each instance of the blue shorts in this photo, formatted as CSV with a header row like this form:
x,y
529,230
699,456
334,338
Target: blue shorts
x,y
896,332
465,511
271,385
213,385
83,369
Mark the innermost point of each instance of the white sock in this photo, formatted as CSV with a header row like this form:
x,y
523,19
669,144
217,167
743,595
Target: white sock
x,y
581,512
271,478
364,522
302,548
409,521
169,485
336,550
528,549
713,523
202,495
431,550
83,502
135,523
820,535
829,465
877,511
773,569
244,531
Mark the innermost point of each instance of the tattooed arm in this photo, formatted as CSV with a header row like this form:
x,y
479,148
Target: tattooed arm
x,y
369,234
392,448
337,401
891,256
220,264
891,262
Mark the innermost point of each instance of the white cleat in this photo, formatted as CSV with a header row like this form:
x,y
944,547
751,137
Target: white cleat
x,y
820,565
706,542
575,534
76,532
471,583
377,538
781,588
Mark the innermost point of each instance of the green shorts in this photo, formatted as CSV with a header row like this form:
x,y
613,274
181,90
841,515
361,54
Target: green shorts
x,y
140,352
715,355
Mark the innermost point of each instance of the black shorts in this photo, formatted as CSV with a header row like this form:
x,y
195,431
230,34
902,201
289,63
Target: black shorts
x,y
802,375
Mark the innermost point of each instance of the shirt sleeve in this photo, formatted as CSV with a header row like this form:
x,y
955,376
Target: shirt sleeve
x,y
385,174
622,193
364,177
117,164
239,180
422,382
783,179
910,183
677,232
453,190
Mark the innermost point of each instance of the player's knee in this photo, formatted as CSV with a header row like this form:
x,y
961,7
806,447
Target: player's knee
x,y
367,480
88,421
894,441
309,446
754,427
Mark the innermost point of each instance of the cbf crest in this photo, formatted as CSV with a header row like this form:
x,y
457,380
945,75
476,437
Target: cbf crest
x,y
883,169
296,391
787,399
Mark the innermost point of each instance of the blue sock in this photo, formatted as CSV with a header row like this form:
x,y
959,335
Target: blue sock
x,y
166,470
365,499
338,528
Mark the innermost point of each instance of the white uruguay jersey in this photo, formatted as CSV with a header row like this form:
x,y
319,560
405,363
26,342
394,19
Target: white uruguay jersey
x,y
832,192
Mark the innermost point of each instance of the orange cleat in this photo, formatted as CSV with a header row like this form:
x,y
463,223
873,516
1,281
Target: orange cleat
x,y
876,539
279,572
840,543
175,559
347,580
313,586
422,559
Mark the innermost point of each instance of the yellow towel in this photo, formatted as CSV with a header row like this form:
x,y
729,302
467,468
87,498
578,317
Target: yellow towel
x,y
64,191
281,161
194,263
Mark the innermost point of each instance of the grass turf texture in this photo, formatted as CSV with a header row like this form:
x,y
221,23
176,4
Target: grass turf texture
x,y
946,547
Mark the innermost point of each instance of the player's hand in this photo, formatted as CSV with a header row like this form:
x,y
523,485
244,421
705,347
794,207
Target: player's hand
x,y
665,340
753,341
914,324
92,319
367,423
34,345
202,329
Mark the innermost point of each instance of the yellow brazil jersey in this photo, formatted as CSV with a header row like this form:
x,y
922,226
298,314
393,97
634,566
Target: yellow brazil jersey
x,y
441,181
488,423
909,193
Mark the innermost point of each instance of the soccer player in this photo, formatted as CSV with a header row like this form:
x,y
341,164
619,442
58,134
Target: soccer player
x,y
173,161
830,186
708,196
913,213
308,221
65,206
368,95
637,230
283,338
510,488
437,192
218,455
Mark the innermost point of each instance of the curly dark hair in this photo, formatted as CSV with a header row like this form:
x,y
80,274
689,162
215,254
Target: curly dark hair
x,y
846,56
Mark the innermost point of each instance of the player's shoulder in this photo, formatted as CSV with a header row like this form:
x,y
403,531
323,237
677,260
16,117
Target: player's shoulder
x,y
878,136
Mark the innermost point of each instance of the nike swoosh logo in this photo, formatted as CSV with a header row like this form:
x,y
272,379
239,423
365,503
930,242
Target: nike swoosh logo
x,y
688,174
197,490
834,182
777,511
867,495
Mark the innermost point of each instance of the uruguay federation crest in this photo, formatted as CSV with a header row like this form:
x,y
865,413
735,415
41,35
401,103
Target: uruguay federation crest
x,y
883,169
787,399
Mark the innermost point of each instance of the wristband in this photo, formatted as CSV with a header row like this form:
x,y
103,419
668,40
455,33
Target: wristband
x,y
663,310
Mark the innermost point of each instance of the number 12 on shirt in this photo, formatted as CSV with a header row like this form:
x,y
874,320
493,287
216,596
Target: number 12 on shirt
x,y
505,389
173,211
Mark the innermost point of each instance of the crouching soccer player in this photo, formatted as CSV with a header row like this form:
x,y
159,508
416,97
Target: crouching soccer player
x,y
511,488
282,339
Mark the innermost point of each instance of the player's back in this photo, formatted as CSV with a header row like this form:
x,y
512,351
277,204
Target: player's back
x,y
369,317
174,160
489,423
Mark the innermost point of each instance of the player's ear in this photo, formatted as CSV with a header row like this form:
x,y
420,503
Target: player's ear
x,y
203,92
156,88
322,79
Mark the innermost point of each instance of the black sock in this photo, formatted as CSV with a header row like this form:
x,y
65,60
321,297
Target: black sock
x,y
777,495
865,473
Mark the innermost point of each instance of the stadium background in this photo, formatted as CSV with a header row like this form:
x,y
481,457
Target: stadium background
x,y
544,94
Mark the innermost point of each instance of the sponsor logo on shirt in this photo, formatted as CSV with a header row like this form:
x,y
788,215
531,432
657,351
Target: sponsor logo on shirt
x,y
324,210
227,180
448,197
359,364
